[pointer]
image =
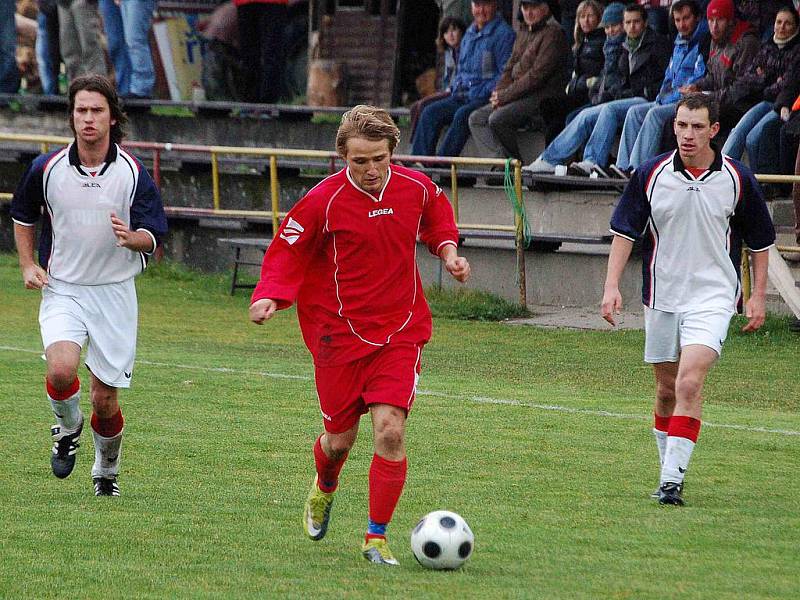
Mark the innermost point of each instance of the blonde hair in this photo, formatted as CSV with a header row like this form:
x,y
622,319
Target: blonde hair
x,y
368,122
584,6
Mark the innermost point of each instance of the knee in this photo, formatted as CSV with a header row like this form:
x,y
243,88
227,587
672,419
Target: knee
x,y
389,433
665,392
339,446
61,375
688,387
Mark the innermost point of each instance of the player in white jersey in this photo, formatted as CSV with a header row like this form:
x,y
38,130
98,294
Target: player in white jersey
x,y
102,218
692,208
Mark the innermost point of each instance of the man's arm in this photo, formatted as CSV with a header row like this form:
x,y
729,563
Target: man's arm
x,y
612,299
757,304
34,276
136,241
456,265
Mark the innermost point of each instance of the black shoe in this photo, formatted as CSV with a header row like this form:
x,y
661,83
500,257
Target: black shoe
x,y
615,171
794,325
65,447
671,493
105,486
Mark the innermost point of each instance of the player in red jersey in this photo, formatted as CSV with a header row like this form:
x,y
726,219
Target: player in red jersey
x,y
346,254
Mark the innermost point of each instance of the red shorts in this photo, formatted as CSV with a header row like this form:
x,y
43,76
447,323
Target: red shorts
x,y
387,376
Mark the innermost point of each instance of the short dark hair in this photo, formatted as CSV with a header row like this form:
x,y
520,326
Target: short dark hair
x,y
699,100
102,85
681,4
633,7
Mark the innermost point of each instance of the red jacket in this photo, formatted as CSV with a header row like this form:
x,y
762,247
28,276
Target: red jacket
x,y
349,261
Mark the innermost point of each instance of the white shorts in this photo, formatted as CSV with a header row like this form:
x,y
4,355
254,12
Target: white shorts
x,y
105,315
666,333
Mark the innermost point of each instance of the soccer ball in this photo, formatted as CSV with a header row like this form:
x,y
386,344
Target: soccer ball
x,y
442,540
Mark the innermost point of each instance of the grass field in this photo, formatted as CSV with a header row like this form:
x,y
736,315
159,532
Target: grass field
x,y
539,438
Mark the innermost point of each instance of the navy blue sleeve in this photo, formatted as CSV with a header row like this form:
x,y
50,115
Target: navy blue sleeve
x,y
147,210
751,220
26,206
633,210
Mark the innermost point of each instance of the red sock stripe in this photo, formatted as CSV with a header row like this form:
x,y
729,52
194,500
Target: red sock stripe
x,y
386,481
685,427
108,427
327,470
66,394
661,423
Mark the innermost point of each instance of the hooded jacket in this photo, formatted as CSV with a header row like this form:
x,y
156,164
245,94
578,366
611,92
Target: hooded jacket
x,y
728,60
687,64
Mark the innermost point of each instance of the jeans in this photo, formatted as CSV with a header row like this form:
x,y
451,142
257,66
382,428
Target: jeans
x,y
756,131
261,28
9,74
127,29
451,110
648,120
48,55
115,34
595,125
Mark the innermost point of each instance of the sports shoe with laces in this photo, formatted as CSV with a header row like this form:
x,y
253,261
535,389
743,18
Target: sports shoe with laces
x,y
317,512
105,486
619,173
65,447
540,166
583,168
376,550
671,492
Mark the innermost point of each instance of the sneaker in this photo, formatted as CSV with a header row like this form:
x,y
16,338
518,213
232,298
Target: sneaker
x,y
583,168
671,493
65,447
317,512
600,172
619,173
106,486
540,166
376,550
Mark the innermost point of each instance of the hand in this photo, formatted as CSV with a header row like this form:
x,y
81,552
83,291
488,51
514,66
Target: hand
x,y
458,267
494,100
756,312
262,310
123,234
785,113
688,89
34,277
611,304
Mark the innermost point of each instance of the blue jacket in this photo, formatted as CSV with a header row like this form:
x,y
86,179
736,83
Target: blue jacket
x,y
687,65
481,59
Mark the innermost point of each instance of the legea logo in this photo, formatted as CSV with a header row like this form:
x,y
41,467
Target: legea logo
x,y
381,211
291,232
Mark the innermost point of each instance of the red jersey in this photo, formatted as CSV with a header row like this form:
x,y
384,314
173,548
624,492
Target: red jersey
x,y
348,259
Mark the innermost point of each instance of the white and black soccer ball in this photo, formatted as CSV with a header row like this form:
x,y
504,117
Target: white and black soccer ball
x,y
442,540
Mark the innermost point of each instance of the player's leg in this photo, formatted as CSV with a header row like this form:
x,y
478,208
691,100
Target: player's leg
x,y
107,427
64,394
665,374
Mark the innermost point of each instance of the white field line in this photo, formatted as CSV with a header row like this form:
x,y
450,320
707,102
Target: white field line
x,y
421,392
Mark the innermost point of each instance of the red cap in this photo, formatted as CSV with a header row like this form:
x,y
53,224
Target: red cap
x,y
720,9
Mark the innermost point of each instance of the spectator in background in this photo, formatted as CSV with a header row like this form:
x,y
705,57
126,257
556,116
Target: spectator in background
x,y
587,51
789,102
532,74
127,25
448,42
79,38
261,25
484,51
761,14
456,8
48,55
223,73
9,74
657,14
641,133
642,62
760,88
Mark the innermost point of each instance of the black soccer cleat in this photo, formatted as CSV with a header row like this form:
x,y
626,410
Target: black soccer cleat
x,y
671,493
65,447
106,486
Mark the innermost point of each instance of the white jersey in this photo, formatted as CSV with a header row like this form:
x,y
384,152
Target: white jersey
x,y
77,243
692,228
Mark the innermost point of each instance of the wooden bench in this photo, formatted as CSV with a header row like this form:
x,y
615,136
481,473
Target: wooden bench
x,y
238,245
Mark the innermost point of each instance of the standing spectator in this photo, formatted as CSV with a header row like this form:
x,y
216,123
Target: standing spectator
x,y
484,51
532,74
448,42
223,72
79,38
641,132
261,25
761,89
587,51
127,24
9,74
761,14
48,54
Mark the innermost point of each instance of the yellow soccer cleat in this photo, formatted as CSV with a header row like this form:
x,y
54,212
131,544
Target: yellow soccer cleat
x,y
317,512
377,550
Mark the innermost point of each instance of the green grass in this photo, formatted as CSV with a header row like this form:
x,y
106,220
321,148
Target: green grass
x,y
539,438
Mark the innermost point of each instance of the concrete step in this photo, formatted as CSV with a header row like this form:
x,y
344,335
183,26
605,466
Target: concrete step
x,y
782,211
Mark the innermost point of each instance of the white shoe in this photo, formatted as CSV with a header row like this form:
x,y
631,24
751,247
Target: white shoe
x,y
540,165
584,167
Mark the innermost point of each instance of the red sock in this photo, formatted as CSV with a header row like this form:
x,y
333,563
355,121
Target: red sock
x,y
685,427
661,423
63,394
327,470
386,480
108,427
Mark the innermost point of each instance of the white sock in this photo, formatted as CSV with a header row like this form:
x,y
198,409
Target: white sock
x,y
676,459
661,443
68,412
107,451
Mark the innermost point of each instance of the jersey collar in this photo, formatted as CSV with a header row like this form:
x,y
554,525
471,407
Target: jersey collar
x,y
75,160
679,167
363,191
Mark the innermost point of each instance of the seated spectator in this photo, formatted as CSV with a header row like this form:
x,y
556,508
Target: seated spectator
x,y
451,31
533,73
587,52
644,123
484,51
761,14
9,74
48,55
222,76
642,62
657,14
789,102
760,88
127,25
79,38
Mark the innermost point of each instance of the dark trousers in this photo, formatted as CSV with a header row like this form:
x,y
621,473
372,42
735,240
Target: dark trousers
x,y
261,40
